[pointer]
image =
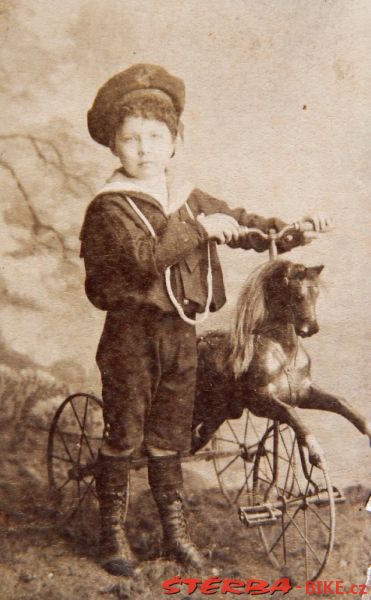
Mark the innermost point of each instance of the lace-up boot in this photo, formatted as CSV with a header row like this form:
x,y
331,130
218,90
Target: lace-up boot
x,y
165,478
111,486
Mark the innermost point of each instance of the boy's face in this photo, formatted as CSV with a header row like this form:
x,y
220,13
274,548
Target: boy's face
x,y
144,147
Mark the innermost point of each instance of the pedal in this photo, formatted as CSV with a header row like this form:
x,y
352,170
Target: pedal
x,y
321,497
255,516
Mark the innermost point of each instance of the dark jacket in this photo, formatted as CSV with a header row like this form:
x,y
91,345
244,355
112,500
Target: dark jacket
x,y
125,264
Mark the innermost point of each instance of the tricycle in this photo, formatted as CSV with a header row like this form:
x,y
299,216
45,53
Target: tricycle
x,y
251,381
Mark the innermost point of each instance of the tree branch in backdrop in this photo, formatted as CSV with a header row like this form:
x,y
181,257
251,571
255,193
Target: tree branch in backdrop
x,y
50,155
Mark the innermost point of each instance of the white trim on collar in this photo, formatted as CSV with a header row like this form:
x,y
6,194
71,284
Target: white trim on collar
x,y
179,192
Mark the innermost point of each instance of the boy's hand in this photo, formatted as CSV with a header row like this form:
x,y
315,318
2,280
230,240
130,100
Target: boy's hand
x,y
220,227
321,224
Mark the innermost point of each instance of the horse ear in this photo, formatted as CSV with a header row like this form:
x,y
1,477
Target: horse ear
x,y
283,271
315,271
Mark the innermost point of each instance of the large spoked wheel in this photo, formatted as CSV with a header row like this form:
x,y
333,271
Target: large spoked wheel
x,y
234,447
296,501
75,436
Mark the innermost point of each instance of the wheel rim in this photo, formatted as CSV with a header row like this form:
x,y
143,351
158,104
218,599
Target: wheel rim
x,y
74,438
238,440
299,542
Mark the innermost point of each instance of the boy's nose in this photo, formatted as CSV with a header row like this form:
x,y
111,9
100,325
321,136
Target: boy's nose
x,y
143,147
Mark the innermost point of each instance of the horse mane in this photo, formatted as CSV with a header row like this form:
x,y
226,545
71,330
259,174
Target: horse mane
x,y
251,312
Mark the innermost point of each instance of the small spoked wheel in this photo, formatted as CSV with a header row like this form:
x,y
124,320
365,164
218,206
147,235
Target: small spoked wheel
x,y
234,447
75,436
296,501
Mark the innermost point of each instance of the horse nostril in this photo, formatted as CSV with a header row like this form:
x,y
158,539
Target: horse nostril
x,y
308,329
303,331
314,329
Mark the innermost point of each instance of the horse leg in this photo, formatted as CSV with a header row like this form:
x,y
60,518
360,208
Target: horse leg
x,y
273,408
318,399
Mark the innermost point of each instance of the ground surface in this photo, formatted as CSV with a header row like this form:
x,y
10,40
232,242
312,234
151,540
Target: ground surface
x,y
40,562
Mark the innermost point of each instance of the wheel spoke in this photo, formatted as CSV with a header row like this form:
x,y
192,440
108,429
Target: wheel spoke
x,y
246,427
220,439
275,484
319,518
82,430
240,490
281,457
269,463
228,465
254,428
293,471
64,444
305,539
84,421
64,484
289,467
61,458
287,525
281,490
90,486
233,432
260,478
309,480
83,435
284,539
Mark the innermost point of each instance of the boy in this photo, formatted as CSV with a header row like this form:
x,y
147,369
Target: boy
x,y
151,262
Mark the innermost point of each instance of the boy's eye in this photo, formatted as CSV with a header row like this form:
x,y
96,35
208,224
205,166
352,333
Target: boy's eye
x,y
155,135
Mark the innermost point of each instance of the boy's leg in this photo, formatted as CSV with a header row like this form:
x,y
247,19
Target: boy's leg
x,y
168,433
124,420
127,379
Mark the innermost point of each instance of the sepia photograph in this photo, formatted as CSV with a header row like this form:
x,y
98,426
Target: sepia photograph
x,y
185,317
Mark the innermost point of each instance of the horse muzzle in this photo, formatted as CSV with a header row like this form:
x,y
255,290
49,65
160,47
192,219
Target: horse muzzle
x,y
307,329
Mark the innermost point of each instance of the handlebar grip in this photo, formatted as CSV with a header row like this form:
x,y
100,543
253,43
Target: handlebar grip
x,y
304,226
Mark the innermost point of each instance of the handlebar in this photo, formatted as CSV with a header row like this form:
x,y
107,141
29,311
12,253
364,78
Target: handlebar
x,y
274,236
298,226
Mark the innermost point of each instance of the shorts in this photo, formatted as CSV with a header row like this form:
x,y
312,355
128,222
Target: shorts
x,y
148,361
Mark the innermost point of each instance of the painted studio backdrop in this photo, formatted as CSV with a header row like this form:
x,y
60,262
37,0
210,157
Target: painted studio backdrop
x,y
277,120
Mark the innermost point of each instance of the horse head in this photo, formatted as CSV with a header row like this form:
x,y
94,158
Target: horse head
x,y
291,292
277,294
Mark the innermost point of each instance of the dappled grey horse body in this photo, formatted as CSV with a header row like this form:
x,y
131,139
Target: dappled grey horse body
x,y
262,364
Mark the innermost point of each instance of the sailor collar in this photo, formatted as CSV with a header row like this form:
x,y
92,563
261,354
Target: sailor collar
x,y
178,191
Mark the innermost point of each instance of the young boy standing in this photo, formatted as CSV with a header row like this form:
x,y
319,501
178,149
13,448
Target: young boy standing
x,y
151,262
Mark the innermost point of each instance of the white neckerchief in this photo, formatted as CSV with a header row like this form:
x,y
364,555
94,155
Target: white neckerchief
x,y
170,194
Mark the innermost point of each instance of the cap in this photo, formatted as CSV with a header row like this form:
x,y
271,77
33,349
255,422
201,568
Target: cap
x,y
133,82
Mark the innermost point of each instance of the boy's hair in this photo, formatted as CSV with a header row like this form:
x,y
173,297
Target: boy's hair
x,y
149,106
